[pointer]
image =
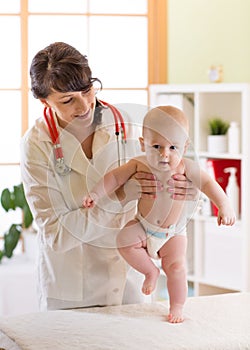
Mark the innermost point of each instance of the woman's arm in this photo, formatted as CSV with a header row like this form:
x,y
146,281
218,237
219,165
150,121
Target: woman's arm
x,y
61,221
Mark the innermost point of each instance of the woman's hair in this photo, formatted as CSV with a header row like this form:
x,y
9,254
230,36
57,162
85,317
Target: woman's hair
x,y
60,67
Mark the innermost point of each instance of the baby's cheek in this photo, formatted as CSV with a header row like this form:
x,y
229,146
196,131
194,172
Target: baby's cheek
x,y
152,158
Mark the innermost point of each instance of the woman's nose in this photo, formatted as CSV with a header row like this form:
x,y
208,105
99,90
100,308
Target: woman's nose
x,y
82,103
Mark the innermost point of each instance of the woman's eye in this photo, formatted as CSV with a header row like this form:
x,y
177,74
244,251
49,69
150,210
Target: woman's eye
x,y
68,101
173,147
156,146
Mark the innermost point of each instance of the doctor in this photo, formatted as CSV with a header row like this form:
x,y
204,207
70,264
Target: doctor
x,y
63,155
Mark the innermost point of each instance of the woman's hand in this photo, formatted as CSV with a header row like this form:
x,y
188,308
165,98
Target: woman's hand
x,y
141,185
147,185
181,188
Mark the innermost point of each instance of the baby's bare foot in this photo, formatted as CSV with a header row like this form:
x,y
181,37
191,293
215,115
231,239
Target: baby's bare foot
x,y
150,281
175,314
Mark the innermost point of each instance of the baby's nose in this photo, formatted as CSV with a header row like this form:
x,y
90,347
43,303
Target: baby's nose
x,y
164,153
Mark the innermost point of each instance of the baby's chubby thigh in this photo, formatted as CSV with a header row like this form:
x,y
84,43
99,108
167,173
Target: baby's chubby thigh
x,y
132,234
173,252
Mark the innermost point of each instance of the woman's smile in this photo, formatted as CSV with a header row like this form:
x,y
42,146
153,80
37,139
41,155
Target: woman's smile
x,y
83,116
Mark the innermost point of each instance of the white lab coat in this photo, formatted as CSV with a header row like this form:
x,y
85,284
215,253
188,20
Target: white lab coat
x,y
78,264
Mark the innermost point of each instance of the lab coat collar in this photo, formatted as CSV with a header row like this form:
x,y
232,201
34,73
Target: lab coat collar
x,y
72,151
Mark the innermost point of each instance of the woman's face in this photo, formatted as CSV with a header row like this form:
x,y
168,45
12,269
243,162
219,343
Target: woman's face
x,y
72,107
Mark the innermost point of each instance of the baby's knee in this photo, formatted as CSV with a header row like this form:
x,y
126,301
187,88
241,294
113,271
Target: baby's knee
x,y
175,267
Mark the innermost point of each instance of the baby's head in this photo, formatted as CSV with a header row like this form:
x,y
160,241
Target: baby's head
x,y
165,136
165,120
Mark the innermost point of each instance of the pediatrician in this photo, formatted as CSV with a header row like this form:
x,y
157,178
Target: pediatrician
x,y
62,155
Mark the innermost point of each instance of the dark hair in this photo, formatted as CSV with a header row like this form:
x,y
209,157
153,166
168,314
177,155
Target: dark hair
x,y
60,67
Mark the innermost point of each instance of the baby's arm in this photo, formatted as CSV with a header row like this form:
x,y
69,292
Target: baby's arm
x,y
110,182
215,193
213,190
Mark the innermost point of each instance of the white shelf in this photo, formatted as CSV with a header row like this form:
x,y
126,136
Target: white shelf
x,y
218,259
220,155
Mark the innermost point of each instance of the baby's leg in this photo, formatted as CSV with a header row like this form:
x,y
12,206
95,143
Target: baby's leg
x,y
132,244
173,255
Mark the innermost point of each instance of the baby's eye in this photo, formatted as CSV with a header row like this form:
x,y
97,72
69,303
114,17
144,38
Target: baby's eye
x,y
156,146
173,147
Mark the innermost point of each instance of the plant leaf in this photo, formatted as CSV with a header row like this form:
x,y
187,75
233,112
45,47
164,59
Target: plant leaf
x,y
7,200
20,200
11,239
27,216
218,126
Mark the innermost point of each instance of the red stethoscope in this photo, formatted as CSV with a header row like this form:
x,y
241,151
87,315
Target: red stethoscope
x,y
60,166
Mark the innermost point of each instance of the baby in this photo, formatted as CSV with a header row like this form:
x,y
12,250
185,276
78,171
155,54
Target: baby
x,y
159,229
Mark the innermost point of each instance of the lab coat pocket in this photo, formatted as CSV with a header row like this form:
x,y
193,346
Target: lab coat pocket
x,y
61,274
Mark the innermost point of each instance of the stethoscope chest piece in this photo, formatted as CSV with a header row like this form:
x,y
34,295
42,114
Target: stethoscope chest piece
x,y
61,167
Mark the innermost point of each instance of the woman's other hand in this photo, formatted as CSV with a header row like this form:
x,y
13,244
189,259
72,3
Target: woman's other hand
x,y
181,188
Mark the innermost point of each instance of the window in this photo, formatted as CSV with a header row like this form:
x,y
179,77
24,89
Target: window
x,y
119,38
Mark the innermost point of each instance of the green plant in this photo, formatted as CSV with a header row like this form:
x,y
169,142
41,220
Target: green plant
x,y
11,200
218,126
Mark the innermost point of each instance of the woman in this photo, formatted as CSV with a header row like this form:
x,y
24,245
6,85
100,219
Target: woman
x,y
78,264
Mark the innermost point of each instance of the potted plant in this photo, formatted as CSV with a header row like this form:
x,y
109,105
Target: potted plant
x,y
217,139
11,200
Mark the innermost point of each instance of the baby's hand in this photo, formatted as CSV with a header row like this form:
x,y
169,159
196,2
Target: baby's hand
x,y
89,201
226,216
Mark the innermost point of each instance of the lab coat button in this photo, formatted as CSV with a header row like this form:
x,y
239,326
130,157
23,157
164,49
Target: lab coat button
x,y
116,258
116,290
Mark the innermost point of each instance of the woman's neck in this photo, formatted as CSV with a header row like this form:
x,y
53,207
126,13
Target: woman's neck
x,y
84,135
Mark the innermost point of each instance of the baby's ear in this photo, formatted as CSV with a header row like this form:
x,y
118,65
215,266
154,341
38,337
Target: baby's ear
x,y
187,145
141,139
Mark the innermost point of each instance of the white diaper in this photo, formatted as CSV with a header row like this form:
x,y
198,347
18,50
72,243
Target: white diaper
x,y
158,236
